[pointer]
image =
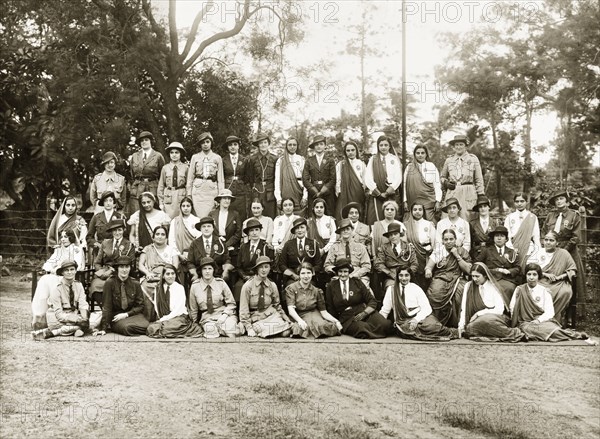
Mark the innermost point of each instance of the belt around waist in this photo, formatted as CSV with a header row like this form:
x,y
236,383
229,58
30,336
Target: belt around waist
x,y
201,177
145,179
319,182
299,178
236,178
464,184
175,188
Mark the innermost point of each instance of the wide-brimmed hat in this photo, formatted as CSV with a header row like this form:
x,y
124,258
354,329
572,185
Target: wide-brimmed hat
x,y
298,222
481,201
347,207
145,135
317,139
207,261
231,139
105,195
262,260
393,228
65,265
459,138
559,193
205,220
343,263
225,193
252,223
499,230
450,202
122,260
345,223
115,224
175,145
204,136
259,138
107,157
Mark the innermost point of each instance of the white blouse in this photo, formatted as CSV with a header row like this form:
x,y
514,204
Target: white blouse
x,y
491,298
414,298
541,296
281,225
460,227
326,227
393,169
176,302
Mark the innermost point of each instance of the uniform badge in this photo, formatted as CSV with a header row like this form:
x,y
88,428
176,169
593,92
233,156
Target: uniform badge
x,y
358,167
460,230
426,229
538,298
280,223
215,247
351,293
328,225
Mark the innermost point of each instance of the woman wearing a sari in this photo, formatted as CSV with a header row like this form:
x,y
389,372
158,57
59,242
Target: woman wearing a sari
x,y
349,187
288,177
173,319
182,232
153,259
445,268
558,271
321,227
482,316
422,184
145,220
533,312
67,218
523,229
421,234
383,176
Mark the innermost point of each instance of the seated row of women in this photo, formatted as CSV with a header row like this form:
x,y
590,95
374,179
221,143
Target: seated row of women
x,y
347,307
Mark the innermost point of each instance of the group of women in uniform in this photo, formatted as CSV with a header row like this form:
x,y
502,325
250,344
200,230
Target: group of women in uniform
x,y
213,258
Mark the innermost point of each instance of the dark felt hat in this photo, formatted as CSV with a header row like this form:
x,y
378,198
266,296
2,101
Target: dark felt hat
x,y
559,193
347,207
252,223
122,260
298,222
65,265
205,220
259,138
145,135
393,228
317,139
481,201
105,195
231,139
225,193
450,202
343,263
107,157
345,223
115,224
204,136
459,138
207,261
499,230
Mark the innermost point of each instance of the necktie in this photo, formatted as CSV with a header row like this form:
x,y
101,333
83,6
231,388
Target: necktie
x,y
300,248
403,296
558,224
396,250
234,162
252,249
72,297
115,247
261,296
348,250
500,252
175,182
143,159
124,301
345,290
459,172
209,300
207,246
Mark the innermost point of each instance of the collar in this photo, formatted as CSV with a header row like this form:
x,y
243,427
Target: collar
x,y
109,176
257,280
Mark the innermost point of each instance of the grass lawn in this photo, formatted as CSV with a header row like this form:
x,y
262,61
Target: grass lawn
x,y
293,390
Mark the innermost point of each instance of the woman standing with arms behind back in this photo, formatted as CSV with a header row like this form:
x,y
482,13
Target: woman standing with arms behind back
x,y
205,176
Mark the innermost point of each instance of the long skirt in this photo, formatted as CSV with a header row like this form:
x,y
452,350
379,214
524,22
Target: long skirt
x,y
466,196
178,327
376,326
551,331
507,288
317,326
269,326
428,329
134,325
445,298
203,196
561,293
39,303
149,291
493,327
267,198
229,328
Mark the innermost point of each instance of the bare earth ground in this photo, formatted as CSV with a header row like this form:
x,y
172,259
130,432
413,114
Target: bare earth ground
x,y
289,390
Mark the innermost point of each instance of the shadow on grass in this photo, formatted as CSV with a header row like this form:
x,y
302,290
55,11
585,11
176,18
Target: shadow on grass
x,y
487,426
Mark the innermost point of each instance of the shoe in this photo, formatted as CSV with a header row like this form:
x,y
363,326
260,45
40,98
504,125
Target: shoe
x,y
78,333
241,328
38,335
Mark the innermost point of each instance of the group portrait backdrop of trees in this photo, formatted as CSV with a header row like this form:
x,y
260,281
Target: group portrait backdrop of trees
x,y
79,79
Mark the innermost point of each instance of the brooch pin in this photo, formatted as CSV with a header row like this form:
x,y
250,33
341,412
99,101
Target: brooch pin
x,y
426,229
392,162
512,221
566,223
351,293
460,230
215,247
280,223
537,299
258,251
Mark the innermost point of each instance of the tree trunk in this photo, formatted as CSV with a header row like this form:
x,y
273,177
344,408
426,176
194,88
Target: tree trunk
x,y
498,170
527,145
173,114
364,127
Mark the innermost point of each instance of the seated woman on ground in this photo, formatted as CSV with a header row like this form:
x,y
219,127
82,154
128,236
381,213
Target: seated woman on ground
x,y
306,305
260,307
483,316
212,304
173,319
68,250
413,316
532,311
68,310
351,302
